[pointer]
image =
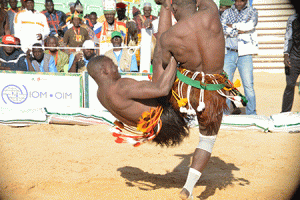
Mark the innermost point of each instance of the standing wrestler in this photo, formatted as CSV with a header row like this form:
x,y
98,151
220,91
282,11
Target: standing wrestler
x,y
197,43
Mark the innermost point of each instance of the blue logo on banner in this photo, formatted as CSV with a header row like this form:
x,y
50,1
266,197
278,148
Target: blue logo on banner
x,y
14,94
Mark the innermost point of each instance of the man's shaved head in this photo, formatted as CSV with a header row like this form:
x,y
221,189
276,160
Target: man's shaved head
x,y
184,2
99,64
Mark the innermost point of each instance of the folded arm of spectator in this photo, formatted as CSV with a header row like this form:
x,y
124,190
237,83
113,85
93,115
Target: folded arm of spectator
x,y
249,25
244,26
227,28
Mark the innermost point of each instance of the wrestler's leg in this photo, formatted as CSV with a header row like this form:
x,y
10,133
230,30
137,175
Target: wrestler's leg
x,y
201,157
165,23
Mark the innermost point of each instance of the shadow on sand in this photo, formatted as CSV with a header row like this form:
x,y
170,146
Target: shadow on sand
x,y
217,175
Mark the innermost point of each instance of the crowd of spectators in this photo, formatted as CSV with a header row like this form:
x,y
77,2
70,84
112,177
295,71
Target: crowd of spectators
x,y
41,34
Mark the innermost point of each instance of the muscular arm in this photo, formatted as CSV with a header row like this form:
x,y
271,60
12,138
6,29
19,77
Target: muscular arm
x,y
165,23
131,89
165,49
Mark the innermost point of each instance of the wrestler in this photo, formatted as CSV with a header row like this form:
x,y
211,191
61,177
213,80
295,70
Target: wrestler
x,y
197,43
130,100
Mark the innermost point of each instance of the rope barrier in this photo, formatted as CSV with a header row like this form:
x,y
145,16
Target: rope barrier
x,y
131,49
43,47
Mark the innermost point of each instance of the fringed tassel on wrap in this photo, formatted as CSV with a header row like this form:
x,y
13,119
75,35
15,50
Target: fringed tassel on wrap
x,y
201,105
143,132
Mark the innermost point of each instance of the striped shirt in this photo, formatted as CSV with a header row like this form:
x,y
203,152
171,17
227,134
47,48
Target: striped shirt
x,y
244,20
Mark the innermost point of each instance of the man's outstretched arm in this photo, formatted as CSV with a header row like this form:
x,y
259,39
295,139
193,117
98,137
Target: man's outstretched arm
x,y
166,43
132,89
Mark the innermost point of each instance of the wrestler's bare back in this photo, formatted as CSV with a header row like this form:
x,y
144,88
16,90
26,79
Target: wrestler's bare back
x,y
197,43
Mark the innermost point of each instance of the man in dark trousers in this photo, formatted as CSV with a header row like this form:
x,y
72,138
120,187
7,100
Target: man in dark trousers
x,y
291,61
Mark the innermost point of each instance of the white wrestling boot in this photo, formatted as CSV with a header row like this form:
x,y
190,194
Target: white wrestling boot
x,y
192,178
183,196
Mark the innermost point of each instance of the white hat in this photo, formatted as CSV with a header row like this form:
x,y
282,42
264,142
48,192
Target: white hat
x,y
109,5
147,4
88,44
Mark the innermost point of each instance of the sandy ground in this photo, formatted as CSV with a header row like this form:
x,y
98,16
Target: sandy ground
x,y
83,162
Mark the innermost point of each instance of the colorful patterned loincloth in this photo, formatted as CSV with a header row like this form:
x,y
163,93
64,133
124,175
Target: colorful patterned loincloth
x,y
147,129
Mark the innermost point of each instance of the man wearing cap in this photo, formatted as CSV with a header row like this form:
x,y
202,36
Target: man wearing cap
x,y
145,21
76,35
224,5
10,57
239,24
121,12
78,61
110,24
39,62
31,26
56,19
125,61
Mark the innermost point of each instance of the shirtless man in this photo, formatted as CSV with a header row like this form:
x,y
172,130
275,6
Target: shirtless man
x,y
4,24
130,100
197,43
